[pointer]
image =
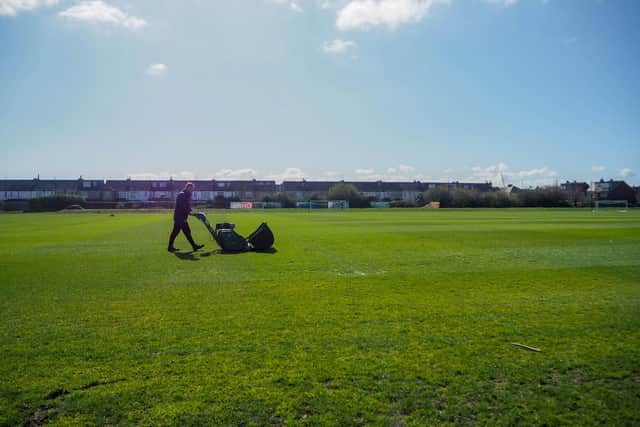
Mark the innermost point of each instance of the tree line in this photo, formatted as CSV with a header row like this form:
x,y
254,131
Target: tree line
x,y
448,198
461,198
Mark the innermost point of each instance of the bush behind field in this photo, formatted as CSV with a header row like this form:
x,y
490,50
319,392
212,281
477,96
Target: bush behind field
x,y
284,200
460,198
448,198
55,203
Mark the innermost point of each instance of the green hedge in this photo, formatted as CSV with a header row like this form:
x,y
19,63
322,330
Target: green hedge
x,y
403,204
54,203
459,198
281,198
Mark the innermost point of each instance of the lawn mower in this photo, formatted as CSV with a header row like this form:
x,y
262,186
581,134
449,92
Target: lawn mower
x,y
230,241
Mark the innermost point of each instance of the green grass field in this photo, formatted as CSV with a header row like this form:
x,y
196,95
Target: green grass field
x,y
396,318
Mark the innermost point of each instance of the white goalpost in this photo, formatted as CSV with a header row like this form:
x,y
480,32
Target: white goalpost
x,y
608,205
318,204
338,204
327,204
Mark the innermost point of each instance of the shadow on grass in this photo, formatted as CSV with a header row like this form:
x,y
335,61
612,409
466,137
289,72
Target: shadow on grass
x,y
191,256
186,256
267,251
223,252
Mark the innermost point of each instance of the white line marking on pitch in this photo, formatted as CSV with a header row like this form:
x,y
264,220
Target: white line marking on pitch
x,y
335,258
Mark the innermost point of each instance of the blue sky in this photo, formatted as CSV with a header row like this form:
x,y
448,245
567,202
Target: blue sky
x,y
538,91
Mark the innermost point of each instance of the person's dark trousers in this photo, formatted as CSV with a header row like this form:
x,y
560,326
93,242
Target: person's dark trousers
x,y
184,227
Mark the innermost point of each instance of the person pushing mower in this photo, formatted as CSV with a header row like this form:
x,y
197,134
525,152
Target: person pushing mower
x,y
180,215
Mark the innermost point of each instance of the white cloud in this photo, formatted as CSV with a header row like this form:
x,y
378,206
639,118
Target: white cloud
x,y
338,47
287,175
101,12
545,172
186,175
156,69
399,173
364,171
489,172
597,168
148,175
626,173
495,174
293,5
503,2
244,173
405,169
369,177
325,4
390,14
161,175
13,7
331,4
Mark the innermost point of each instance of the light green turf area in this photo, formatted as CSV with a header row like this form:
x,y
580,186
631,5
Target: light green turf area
x,y
370,317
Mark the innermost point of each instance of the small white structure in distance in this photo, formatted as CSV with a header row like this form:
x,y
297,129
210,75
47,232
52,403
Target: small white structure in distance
x,y
338,204
380,205
241,205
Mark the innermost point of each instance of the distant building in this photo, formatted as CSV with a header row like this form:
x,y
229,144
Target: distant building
x,y
27,189
577,187
206,190
305,190
577,192
613,190
379,190
130,190
210,190
90,189
511,189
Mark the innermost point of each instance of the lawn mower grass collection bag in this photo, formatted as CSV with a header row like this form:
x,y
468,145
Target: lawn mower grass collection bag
x,y
261,239
230,241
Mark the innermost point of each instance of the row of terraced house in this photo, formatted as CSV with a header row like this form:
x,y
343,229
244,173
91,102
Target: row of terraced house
x,y
209,190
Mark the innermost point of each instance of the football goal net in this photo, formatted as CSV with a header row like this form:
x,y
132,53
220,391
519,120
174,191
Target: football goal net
x,y
312,205
338,204
608,205
318,204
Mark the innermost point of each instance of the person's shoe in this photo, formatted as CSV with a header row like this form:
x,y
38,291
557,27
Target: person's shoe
x,y
172,249
197,247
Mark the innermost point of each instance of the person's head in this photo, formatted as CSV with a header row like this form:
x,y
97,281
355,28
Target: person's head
x,y
189,187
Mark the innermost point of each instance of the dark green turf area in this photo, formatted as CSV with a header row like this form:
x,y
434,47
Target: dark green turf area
x,y
372,317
